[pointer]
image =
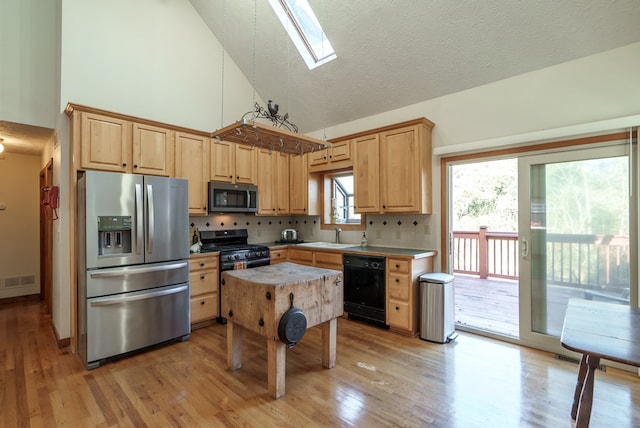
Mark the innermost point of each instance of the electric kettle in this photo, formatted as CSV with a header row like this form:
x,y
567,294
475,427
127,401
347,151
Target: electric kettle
x,y
289,235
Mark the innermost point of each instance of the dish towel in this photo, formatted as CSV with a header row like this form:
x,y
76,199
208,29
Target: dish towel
x,y
239,265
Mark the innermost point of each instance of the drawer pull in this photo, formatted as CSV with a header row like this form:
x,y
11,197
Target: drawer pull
x,y
202,303
202,277
397,280
261,322
397,308
397,266
201,264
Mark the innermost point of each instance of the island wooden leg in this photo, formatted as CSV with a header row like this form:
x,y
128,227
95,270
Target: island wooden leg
x,y
586,400
234,345
582,373
277,364
329,333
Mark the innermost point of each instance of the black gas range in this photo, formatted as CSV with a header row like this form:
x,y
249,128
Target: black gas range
x,y
235,252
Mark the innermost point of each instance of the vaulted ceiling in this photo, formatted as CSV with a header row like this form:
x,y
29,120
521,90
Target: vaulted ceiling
x,y
393,53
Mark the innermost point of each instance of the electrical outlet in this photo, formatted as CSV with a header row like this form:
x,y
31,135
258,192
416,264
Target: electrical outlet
x,y
427,229
259,233
378,234
398,234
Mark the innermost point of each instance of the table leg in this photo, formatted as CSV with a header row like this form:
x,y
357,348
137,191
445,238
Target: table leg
x,y
234,345
582,372
586,399
329,333
277,364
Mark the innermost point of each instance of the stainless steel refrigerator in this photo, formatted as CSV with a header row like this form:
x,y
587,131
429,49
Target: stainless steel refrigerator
x,y
133,267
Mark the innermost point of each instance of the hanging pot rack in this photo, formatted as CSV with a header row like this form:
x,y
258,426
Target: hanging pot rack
x,y
248,131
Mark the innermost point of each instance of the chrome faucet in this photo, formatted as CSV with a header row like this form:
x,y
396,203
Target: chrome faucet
x,y
338,230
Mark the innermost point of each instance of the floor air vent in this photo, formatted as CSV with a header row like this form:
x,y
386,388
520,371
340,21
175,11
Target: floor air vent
x,y
17,281
601,367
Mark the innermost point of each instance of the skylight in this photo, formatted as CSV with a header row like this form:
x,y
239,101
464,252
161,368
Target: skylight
x,y
305,31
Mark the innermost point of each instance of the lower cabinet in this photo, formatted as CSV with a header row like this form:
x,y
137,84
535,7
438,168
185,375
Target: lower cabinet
x,y
403,293
278,255
204,287
321,259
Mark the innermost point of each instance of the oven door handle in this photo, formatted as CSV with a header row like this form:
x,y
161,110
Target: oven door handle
x,y
144,296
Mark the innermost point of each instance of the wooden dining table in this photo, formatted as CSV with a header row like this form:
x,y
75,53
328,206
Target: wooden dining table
x,y
598,330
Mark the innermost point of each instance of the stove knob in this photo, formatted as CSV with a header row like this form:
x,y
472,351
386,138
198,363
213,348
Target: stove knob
x,y
247,255
234,257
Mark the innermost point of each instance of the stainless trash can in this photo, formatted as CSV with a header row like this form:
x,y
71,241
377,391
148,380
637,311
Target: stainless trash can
x,y
437,308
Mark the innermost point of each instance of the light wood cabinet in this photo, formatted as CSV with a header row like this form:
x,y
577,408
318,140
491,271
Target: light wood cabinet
x,y
392,169
233,163
192,163
153,150
403,300
204,287
105,143
335,157
303,192
278,255
366,174
114,144
323,259
273,182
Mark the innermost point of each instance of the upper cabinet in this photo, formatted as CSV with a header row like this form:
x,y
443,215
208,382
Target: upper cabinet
x,y
392,169
105,142
233,163
192,163
301,187
335,157
110,143
153,150
273,182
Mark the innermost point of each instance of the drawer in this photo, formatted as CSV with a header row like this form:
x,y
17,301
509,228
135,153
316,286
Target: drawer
x,y
203,262
205,281
329,259
300,256
398,314
399,286
278,256
398,265
204,307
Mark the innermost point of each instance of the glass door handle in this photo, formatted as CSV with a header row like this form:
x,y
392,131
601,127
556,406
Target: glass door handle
x,y
524,248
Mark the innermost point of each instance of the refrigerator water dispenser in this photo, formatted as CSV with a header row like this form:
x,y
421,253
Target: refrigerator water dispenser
x,y
114,235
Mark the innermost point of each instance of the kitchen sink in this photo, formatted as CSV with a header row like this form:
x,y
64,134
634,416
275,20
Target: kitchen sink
x,y
325,245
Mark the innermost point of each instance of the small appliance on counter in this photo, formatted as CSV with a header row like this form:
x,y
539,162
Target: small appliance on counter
x,y
289,236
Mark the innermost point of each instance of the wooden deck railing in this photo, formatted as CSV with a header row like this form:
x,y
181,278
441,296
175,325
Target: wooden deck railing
x,y
486,253
592,262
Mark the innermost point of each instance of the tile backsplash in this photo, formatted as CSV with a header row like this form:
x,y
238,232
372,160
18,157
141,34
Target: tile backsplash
x,y
401,230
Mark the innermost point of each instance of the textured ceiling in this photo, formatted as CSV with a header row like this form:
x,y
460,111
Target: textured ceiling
x,y
396,53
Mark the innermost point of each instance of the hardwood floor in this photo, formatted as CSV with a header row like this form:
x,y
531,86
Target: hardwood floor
x,y
380,379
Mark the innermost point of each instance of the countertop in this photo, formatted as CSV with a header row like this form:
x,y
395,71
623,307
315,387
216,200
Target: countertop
x,y
370,250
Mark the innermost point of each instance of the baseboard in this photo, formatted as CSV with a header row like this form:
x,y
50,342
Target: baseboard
x,y
20,299
62,343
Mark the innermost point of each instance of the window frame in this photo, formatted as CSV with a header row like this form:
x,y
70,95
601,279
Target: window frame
x,y
325,195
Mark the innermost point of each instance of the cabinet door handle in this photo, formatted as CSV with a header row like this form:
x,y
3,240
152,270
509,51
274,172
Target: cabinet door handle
x,y
135,165
124,164
397,266
397,308
202,303
202,276
397,280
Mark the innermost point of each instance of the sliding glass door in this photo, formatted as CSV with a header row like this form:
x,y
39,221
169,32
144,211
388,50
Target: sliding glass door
x,y
574,235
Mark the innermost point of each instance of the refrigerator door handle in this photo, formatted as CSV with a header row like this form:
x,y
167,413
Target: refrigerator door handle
x,y
139,212
145,296
150,219
117,273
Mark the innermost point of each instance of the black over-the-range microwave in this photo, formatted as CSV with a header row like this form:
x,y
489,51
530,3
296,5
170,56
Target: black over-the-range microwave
x,y
232,198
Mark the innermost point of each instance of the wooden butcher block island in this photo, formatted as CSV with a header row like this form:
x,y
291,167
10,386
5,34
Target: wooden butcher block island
x,y
258,298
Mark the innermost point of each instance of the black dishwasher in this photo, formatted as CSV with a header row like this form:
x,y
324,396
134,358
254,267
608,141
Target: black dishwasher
x,y
364,288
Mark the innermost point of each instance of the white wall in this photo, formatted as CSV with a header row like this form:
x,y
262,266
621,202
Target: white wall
x,y
152,59
19,223
591,89
27,75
